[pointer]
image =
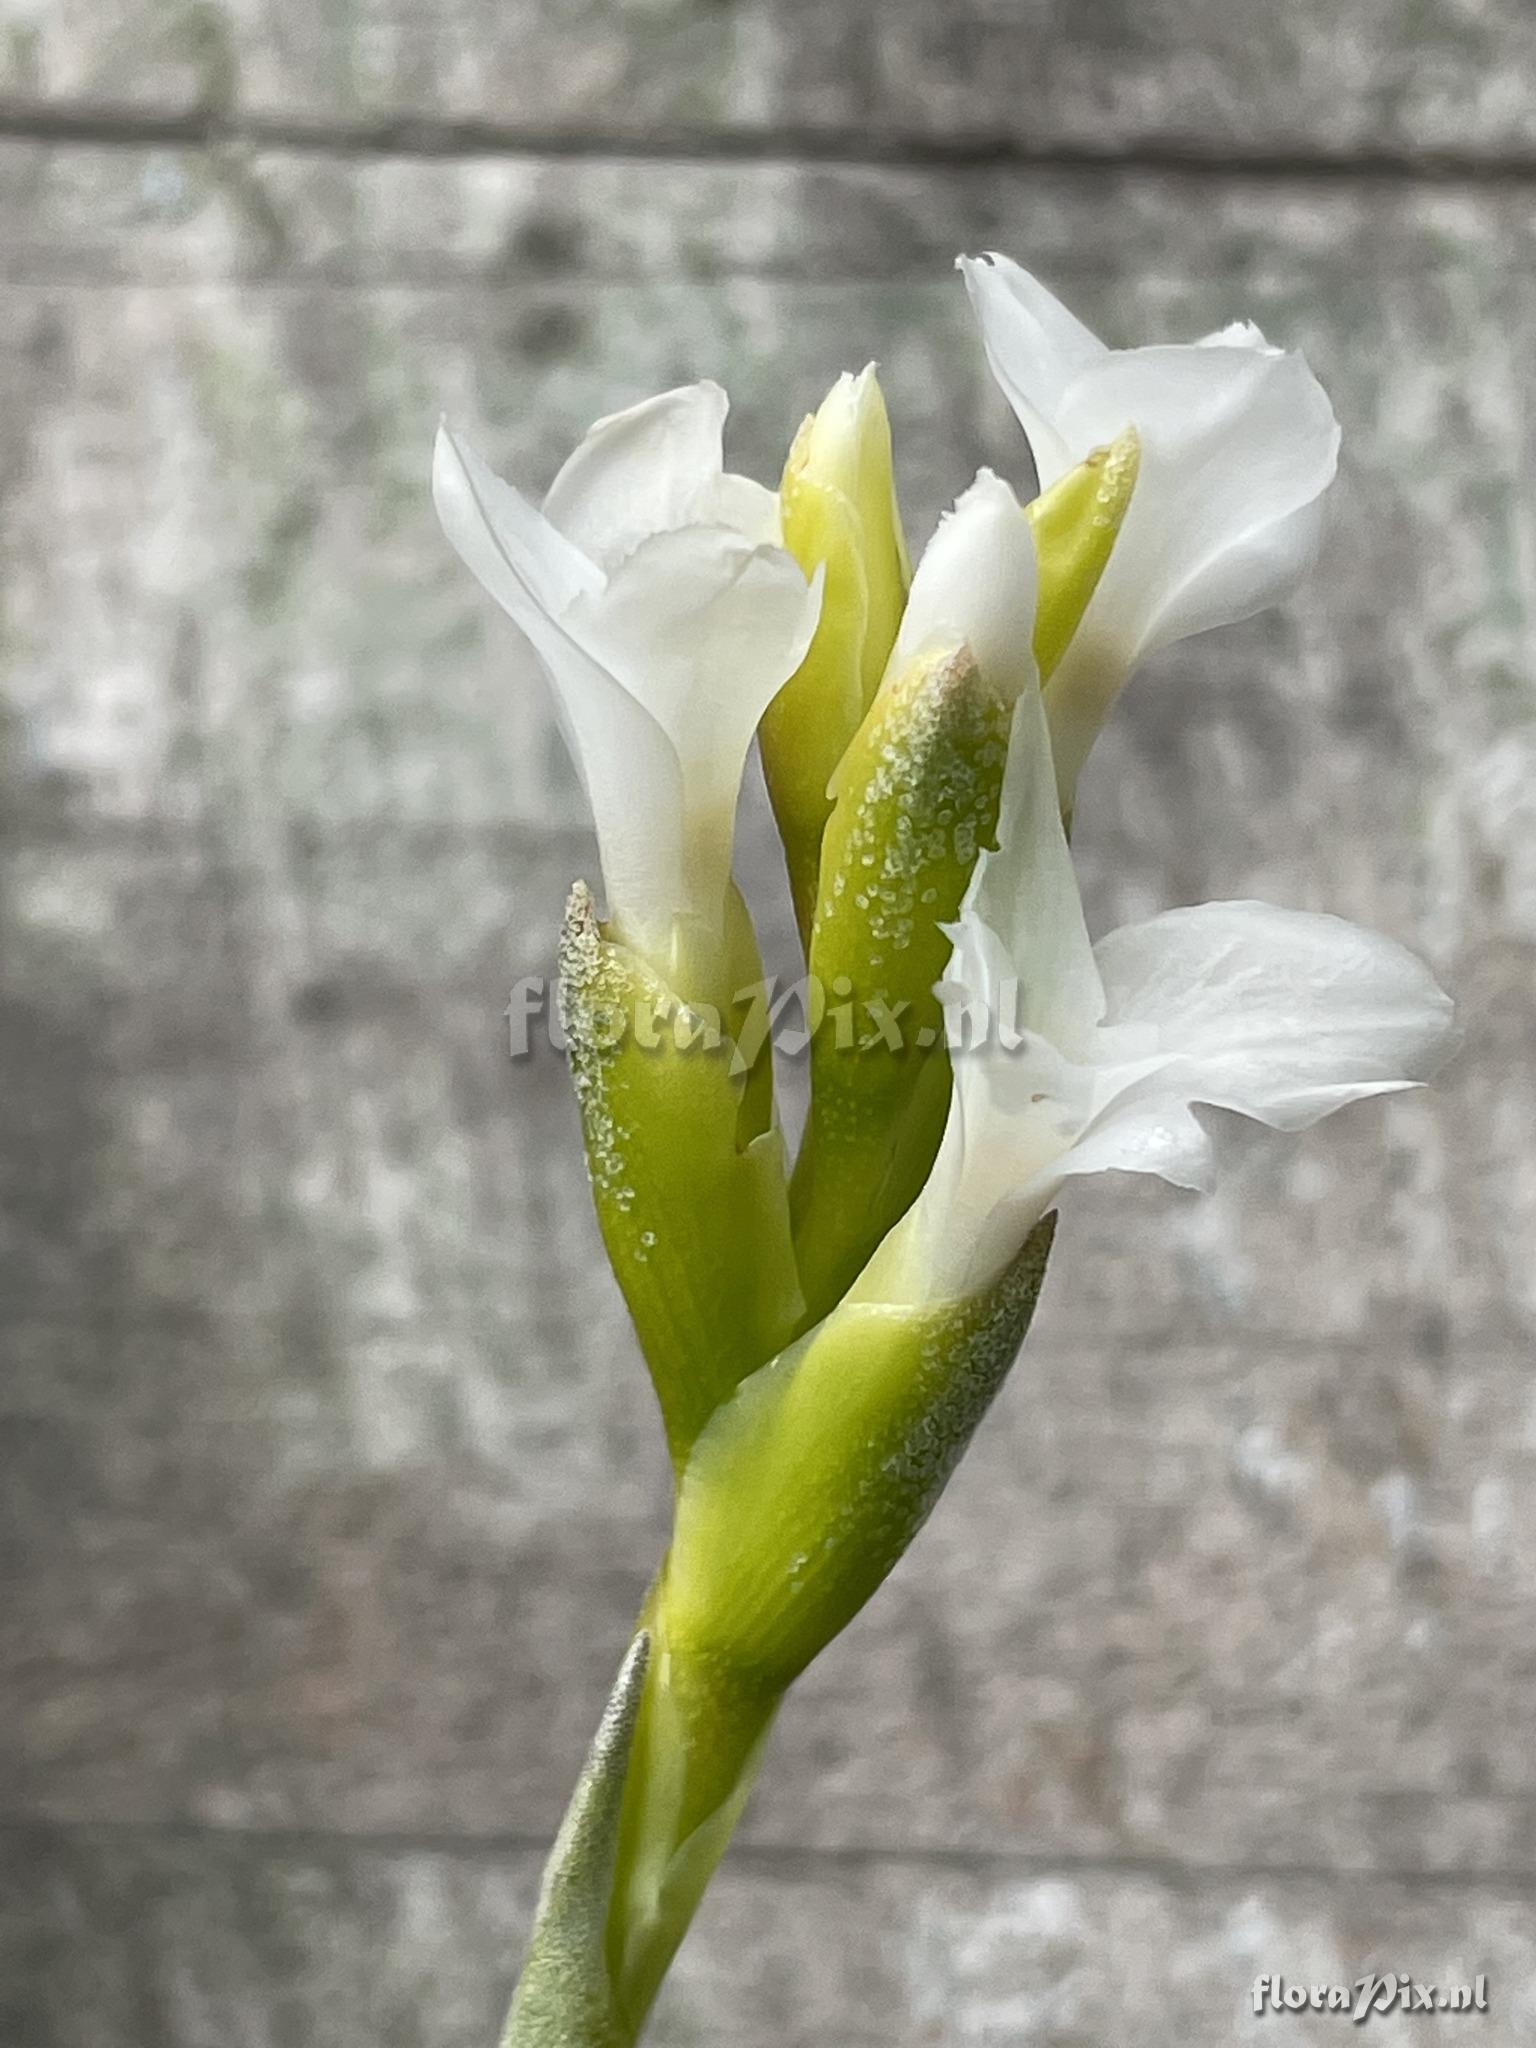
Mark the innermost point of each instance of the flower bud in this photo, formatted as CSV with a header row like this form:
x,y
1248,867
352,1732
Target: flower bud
x,y
838,509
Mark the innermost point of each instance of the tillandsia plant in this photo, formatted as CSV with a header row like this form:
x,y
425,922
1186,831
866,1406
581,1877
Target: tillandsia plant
x,y
824,1339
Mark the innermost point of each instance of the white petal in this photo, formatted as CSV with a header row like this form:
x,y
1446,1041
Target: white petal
x,y
1161,1138
531,570
976,583
1022,959
628,765
747,507
1013,1117
1238,334
1233,487
1027,893
980,984
1037,350
704,629
534,574
1249,573
1235,443
646,470
1283,1015
1238,440
1280,1015
635,788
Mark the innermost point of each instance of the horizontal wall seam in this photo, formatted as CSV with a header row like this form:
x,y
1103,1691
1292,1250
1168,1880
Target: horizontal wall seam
x,y
104,124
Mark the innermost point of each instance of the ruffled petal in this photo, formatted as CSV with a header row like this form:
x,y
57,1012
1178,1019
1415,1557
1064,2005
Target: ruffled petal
x,y
1238,446
1283,1015
662,667
704,628
1016,1111
1162,1138
1280,1015
1024,974
536,576
747,507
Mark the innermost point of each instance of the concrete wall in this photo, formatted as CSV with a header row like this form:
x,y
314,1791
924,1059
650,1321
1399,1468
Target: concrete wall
x,y
330,1477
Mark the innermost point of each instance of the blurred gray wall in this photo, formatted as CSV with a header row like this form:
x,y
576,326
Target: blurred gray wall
x,y
330,1478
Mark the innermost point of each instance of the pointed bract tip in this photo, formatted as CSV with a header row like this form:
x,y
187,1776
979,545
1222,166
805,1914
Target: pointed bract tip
x,y
625,1700
581,907
1117,464
581,951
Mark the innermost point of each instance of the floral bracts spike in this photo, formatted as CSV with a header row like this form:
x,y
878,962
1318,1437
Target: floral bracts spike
x,y
825,1335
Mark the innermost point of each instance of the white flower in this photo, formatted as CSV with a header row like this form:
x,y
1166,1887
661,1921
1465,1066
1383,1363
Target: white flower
x,y
666,616
1238,444
1092,1055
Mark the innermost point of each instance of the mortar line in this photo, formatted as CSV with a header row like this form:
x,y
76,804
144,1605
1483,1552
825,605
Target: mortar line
x,y
435,136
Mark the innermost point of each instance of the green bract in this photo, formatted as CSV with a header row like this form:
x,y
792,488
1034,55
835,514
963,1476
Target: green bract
x,y
565,1995
1075,525
687,1174
811,1482
804,1490
917,801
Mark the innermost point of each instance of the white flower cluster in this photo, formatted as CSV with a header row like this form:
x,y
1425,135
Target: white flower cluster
x,y
667,614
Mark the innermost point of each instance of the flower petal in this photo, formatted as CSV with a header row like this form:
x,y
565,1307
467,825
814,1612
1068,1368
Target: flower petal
x,y
1013,1117
1023,1088
1239,334
747,507
1162,1138
648,469
1037,350
703,629
1026,892
627,763
1280,1015
1283,1015
976,583
527,565
1236,443
1238,440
